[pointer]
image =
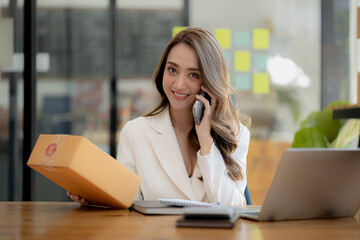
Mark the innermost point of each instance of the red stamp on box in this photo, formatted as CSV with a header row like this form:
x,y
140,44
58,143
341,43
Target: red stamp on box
x,y
50,150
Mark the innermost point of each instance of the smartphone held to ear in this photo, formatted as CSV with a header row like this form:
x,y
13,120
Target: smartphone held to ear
x,y
199,108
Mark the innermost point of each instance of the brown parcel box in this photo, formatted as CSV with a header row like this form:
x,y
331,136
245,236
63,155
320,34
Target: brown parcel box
x,y
77,165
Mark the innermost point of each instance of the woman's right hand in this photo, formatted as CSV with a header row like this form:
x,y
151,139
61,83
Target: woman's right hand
x,y
78,198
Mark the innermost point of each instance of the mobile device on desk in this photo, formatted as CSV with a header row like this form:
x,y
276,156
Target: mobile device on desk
x,y
199,108
218,211
215,217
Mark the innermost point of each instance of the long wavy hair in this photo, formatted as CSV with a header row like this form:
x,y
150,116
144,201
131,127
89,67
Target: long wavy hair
x,y
224,120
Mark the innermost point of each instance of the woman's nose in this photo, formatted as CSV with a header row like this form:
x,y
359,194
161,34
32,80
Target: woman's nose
x,y
180,82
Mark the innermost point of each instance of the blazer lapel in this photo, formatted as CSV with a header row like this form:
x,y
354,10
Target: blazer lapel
x,y
167,150
197,184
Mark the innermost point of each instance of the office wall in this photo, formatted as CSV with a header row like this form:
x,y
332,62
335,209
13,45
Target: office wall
x,y
294,34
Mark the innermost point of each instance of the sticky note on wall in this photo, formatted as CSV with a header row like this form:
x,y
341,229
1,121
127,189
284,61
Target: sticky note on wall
x,y
177,29
261,38
242,60
223,35
242,39
242,81
260,62
261,83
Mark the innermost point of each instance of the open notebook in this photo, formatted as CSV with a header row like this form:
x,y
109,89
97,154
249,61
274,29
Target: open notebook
x,y
187,207
166,206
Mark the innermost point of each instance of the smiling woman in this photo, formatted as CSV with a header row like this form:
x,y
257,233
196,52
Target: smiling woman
x,y
175,157
200,50
181,80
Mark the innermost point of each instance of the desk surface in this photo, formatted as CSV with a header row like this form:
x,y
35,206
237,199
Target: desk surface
x,y
64,220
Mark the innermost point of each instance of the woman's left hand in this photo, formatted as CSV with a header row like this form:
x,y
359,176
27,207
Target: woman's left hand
x,y
203,130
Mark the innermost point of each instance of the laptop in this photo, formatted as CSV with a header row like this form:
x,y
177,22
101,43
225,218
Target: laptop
x,y
312,183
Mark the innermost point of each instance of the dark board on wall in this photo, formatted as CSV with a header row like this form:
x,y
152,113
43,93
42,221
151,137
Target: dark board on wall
x,y
78,40
142,37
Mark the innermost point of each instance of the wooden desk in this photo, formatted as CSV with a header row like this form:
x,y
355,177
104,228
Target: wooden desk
x,y
64,220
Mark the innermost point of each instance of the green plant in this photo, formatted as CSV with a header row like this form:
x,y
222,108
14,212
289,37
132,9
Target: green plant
x,y
319,129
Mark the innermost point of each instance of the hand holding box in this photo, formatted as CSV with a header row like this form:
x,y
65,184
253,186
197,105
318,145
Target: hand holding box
x,y
77,165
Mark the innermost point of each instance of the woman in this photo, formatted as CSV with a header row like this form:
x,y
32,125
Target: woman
x,y
174,157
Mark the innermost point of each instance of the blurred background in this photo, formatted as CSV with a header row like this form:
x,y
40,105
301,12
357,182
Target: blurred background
x,y
286,60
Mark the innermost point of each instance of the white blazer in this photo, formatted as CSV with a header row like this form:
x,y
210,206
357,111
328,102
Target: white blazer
x,y
148,147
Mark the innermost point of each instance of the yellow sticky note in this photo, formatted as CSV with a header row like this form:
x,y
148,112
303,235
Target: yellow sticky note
x,y
223,35
261,83
177,29
242,61
261,38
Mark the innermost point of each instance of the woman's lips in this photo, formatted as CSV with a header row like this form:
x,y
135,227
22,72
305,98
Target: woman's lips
x,y
180,96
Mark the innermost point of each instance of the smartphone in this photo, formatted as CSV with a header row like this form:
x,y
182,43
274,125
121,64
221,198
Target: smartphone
x,y
199,108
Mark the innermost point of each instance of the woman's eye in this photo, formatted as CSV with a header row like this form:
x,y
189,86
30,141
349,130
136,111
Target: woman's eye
x,y
194,75
172,70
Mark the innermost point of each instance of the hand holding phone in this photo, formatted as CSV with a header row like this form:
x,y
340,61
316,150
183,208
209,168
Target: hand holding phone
x,y
199,108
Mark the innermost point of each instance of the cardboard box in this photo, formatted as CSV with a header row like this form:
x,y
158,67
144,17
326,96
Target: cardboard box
x,y
77,165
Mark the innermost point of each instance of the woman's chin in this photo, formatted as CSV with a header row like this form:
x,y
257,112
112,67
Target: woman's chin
x,y
181,107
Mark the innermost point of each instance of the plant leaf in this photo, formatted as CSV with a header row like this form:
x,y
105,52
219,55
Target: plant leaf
x,y
327,125
309,122
309,137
